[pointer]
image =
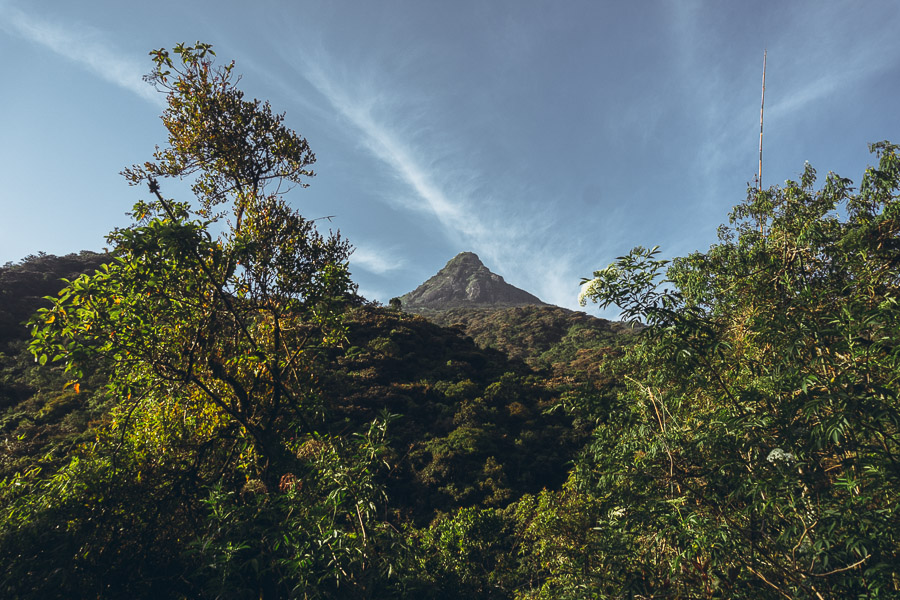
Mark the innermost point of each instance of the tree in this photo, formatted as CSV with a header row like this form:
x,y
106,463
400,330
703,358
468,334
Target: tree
x,y
753,448
212,318
222,323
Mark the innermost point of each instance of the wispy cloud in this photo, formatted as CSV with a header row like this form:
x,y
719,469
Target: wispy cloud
x,y
84,46
388,146
510,226
817,68
843,75
456,195
376,261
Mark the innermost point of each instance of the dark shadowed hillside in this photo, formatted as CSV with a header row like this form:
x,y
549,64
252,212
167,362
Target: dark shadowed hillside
x,y
23,284
471,422
473,426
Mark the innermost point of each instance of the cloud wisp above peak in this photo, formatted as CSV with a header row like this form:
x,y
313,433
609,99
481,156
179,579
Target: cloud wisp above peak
x,y
477,207
377,261
387,145
84,46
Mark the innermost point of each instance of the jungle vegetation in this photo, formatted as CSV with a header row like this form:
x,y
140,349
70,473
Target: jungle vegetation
x,y
211,411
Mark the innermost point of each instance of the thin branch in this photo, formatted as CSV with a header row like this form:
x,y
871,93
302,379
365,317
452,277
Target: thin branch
x,y
841,570
219,288
769,583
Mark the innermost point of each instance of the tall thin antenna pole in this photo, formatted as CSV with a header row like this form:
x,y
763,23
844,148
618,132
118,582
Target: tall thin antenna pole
x,y
761,107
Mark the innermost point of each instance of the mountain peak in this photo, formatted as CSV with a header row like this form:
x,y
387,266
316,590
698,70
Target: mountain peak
x,y
466,282
465,258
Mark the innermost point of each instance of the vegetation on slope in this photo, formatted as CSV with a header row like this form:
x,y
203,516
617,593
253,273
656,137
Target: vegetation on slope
x,y
543,336
41,418
264,434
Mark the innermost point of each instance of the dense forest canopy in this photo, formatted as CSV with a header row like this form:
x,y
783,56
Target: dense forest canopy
x,y
210,411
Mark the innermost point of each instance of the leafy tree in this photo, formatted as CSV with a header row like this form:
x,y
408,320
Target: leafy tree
x,y
467,554
213,317
753,449
212,323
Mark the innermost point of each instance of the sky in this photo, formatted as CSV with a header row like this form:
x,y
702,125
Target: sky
x,y
547,137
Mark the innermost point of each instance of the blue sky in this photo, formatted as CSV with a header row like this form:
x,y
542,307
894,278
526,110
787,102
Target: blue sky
x,y
547,137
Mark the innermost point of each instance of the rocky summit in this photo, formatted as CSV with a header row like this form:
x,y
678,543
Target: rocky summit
x,y
466,282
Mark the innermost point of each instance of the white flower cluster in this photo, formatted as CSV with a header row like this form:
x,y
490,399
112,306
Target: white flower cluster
x,y
779,456
588,289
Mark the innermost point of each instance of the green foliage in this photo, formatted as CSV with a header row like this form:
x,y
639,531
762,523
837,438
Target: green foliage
x,y
464,554
318,535
542,336
41,419
752,451
23,286
473,429
212,333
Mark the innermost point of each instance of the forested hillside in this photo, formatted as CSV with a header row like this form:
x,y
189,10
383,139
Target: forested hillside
x,y
545,337
42,419
211,411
